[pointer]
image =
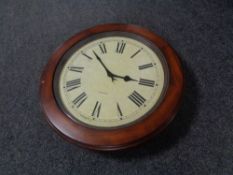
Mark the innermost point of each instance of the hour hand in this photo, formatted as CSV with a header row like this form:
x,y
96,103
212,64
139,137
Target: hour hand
x,y
125,78
128,78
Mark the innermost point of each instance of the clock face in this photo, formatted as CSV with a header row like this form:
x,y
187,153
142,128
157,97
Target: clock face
x,y
111,80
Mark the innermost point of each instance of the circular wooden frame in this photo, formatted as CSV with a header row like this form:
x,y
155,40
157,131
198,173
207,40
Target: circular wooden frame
x,y
119,138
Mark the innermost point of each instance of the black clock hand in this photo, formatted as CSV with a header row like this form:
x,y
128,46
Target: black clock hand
x,y
110,74
125,78
128,78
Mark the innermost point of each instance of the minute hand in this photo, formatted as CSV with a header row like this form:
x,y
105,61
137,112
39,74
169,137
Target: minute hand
x,y
125,78
109,73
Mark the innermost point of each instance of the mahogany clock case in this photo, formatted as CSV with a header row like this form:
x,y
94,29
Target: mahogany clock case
x,y
118,138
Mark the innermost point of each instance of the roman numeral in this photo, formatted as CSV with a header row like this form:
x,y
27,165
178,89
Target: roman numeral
x,y
76,69
119,110
87,56
137,98
78,101
102,48
73,84
96,110
145,66
136,53
145,82
120,47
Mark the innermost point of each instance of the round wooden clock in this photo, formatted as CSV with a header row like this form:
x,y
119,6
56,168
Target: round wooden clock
x,y
111,87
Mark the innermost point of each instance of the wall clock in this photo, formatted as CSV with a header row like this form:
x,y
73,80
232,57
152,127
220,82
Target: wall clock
x,y
111,87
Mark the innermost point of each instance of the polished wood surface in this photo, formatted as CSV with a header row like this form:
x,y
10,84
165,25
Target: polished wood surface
x,y
116,138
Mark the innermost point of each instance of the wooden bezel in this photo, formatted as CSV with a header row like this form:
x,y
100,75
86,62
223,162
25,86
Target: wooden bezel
x,y
118,138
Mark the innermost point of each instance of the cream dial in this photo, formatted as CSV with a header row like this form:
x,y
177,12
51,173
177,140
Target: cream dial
x,y
110,82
